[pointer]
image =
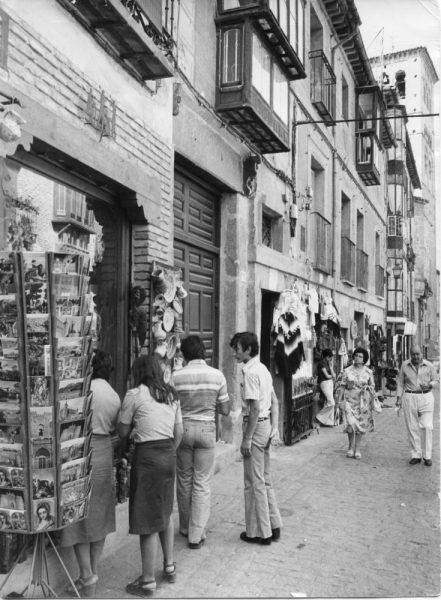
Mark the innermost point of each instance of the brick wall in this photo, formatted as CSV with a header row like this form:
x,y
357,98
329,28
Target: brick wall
x,y
39,70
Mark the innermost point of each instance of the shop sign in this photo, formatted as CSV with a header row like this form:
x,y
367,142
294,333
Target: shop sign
x,y
100,114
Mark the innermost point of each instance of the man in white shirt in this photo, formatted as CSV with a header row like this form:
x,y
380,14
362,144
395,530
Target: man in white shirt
x,y
260,418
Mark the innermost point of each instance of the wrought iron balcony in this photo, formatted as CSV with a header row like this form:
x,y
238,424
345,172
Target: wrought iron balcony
x,y
323,82
362,275
347,260
129,31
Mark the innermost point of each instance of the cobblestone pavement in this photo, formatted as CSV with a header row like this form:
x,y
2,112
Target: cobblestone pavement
x,y
352,528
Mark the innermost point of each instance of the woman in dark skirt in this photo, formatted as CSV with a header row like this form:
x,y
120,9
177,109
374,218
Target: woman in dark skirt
x,y
152,414
88,536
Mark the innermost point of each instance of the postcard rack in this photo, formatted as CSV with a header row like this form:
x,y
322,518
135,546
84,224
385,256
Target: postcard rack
x,y
46,321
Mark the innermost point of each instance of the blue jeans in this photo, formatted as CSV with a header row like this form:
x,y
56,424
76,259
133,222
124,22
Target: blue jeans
x,y
261,510
194,469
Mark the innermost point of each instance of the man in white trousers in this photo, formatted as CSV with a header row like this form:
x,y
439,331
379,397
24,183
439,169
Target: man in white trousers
x,y
415,381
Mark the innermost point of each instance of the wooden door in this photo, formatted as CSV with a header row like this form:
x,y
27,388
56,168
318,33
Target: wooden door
x,y
196,252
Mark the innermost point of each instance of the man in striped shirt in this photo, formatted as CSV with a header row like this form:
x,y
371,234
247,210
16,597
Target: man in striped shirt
x,y
202,391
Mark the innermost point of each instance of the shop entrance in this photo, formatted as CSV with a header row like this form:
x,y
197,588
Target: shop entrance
x,y
196,252
55,210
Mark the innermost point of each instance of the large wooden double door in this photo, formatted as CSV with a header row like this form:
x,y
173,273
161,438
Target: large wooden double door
x,y
196,252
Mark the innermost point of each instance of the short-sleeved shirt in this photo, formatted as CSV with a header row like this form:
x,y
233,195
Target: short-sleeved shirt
x,y
256,384
410,379
151,420
201,388
106,406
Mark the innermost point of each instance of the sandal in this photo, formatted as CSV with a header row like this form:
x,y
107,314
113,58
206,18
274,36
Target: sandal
x,y
170,572
144,589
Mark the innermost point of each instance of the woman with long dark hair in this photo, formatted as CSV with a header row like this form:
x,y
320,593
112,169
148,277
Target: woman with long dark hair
x,y
151,414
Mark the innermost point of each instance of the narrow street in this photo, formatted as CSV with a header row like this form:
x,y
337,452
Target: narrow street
x,y
352,528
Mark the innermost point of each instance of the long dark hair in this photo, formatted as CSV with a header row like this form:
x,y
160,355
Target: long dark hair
x,y
147,370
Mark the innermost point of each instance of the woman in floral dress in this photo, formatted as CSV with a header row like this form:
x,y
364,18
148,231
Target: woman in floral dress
x,y
356,395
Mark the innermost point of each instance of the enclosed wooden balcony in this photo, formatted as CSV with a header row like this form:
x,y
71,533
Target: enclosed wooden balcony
x,y
368,157
280,24
131,34
252,91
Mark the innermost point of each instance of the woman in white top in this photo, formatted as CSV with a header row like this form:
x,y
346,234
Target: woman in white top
x,y
152,414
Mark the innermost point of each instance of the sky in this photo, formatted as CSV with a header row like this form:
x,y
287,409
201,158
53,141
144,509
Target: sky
x,y
399,25
406,23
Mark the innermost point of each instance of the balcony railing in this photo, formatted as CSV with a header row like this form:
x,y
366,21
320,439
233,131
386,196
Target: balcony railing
x,y
347,260
129,31
362,270
379,281
323,256
323,82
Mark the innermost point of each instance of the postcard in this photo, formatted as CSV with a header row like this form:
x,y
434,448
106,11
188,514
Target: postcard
x,y
11,455
8,327
70,368
34,267
14,519
67,263
8,269
9,369
69,347
71,430
35,295
43,483
66,326
38,323
8,305
37,343
9,347
42,453
74,491
39,391
72,409
11,477
68,306
10,434
10,391
73,470
70,388
10,413
67,285
44,514
72,449
41,421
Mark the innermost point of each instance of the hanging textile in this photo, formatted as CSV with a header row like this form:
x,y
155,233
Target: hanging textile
x,y
289,321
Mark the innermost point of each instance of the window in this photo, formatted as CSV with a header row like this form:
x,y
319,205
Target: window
x,y
60,199
303,238
267,226
231,70
4,35
261,73
344,98
268,79
395,225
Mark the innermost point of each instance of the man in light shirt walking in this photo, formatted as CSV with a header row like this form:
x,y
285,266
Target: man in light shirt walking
x,y
415,381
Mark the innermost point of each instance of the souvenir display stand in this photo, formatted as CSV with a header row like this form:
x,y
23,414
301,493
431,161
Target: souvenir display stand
x,y
167,293
45,372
